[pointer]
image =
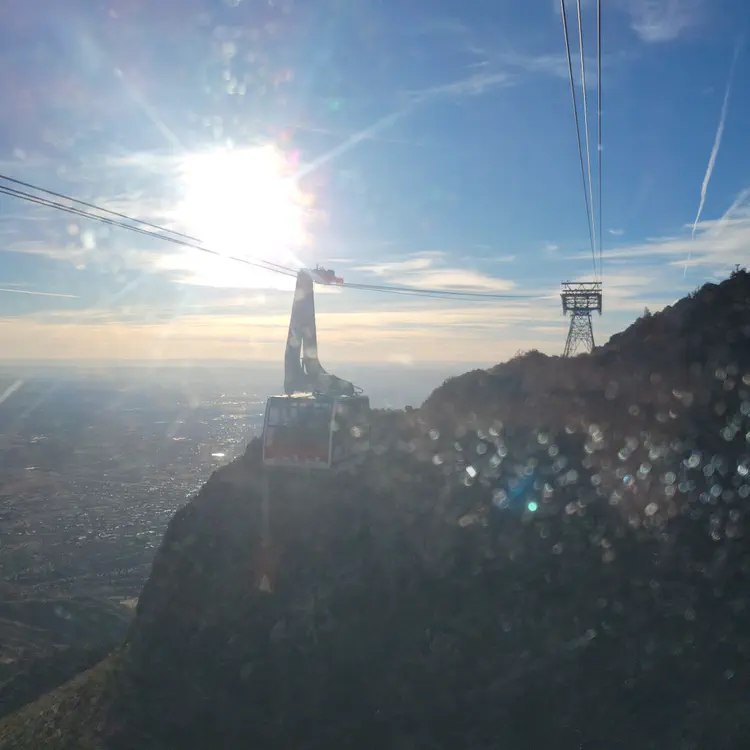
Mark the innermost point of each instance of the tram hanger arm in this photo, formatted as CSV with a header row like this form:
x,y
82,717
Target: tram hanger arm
x,y
303,372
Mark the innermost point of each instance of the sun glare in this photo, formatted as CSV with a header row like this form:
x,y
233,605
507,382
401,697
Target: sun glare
x,y
243,202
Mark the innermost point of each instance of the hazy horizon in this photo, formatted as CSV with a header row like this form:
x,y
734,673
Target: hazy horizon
x,y
386,386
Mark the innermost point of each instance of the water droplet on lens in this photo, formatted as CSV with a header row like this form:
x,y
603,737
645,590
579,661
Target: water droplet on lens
x,y
500,498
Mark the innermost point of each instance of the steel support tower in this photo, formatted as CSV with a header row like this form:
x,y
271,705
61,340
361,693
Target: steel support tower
x,y
580,299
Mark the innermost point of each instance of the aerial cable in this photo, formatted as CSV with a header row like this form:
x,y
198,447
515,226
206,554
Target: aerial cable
x,y
586,126
162,234
448,293
578,131
184,240
194,242
269,264
93,206
420,291
433,294
599,125
4,190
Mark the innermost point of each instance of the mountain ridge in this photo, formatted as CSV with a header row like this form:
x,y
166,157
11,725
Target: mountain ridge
x,y
547,552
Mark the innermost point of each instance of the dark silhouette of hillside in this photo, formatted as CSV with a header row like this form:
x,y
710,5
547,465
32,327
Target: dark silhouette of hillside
x,y
550,553
47,638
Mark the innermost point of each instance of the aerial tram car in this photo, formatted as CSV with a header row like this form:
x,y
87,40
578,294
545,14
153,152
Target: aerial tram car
x,y
321,421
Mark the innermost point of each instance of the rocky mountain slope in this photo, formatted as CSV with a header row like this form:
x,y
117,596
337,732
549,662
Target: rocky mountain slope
x,y
47,637
549,553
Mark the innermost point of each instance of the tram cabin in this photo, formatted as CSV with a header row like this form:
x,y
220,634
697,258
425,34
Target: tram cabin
x,y
315,432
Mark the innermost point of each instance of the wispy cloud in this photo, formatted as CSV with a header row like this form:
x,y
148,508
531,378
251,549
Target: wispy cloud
x,y
459,279
101,249
498,59
152,192
456,30
93,249
718,136
555,65
488,333
196,268
718,243
657,21
406,330
739,202
628,290
472,85
431,269
616,232
396,267
644,274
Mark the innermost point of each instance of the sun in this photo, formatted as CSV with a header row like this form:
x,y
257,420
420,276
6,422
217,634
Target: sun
x,y
246,203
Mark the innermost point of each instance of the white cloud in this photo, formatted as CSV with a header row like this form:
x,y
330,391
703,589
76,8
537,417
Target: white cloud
x,y
644,274
458,279
487,333
657,21
93,246
152,192
429,269
253,326
503,65
555,65
616,232
718,244
396,267
473,85
197,268
628,290
550,329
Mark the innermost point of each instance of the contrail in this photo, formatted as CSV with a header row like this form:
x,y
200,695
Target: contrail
x,y
354,140
150,112
472,85
740,200
39,294
717,140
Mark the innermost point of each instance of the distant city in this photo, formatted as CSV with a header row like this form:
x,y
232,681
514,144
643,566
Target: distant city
x,y
95,461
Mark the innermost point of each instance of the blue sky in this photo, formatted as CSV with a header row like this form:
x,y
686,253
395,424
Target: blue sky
x,y
416,143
